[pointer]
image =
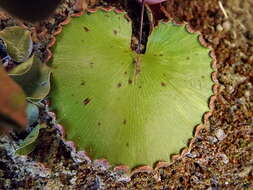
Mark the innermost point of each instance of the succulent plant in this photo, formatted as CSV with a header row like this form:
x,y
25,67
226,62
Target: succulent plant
x,y
18,42
18,46
27,145
129,108
32,76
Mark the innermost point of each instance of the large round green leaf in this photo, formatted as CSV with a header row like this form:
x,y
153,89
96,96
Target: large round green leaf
x,y
113,112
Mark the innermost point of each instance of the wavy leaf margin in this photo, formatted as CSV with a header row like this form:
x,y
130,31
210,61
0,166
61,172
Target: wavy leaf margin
x,y
159,164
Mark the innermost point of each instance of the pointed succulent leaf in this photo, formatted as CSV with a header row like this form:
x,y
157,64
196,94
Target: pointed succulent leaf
x,y
32,112
30,142
34,78
18,42
27,145
114,112
12,103
23,67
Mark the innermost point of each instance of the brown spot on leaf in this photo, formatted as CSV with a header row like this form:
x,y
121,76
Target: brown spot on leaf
x,y
86,101
99,123
119,85
86,29
187,58
161,55
127,144
91,64
163,84
83,83
125,72
130,81
115,32
124,121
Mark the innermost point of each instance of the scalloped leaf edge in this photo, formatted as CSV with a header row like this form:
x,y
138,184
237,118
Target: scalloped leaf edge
x,y
159,164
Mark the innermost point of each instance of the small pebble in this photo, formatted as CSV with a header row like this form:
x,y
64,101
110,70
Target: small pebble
x,y
224,158
226,25
220,134
189,155
234,35
212,139
247,93
219,28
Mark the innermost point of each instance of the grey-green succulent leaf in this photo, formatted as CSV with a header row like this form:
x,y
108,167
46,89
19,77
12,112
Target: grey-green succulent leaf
x,y
32,112
22,68
29,143
34,77
18,42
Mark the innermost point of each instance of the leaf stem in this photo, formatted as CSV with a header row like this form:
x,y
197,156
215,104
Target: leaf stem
x,y
139,47
141,27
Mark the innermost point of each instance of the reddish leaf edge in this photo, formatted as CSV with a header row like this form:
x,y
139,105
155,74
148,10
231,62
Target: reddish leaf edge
x,y
102,162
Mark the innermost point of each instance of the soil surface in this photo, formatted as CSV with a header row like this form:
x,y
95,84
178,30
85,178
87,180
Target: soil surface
x,y
221,154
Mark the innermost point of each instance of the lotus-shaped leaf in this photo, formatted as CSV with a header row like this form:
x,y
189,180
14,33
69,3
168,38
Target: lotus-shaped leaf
x,y
129,108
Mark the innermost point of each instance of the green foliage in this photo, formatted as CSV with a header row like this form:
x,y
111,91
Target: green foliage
x,y
34,77
32,112
22,68
29,143
113,112
18,42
